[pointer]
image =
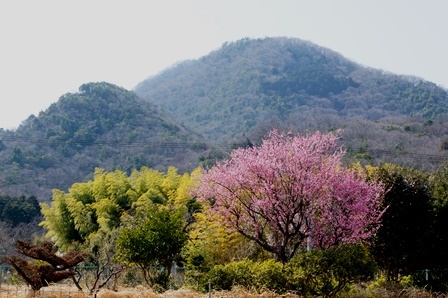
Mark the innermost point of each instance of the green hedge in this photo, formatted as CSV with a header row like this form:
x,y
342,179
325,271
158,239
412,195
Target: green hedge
x,y
314,273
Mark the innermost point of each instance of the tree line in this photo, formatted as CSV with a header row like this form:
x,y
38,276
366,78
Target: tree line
x,y
270,216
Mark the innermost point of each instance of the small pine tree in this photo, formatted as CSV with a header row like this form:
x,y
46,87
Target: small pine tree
x,y
54,269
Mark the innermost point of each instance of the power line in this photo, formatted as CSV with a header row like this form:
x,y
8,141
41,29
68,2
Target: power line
x,y
117,143
185,144
412,154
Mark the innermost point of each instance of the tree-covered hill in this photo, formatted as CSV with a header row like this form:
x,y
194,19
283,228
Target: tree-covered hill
x,y
100,126
229,98
252,85
236,87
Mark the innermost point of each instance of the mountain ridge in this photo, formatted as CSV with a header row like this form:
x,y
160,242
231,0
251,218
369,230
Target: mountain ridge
x,y
197,111
281,76
102,125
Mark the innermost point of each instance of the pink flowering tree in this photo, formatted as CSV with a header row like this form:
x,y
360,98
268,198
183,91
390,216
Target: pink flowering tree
x,y
292,191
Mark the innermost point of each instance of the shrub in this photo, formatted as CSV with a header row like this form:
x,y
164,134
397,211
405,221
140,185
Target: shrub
x,y
219,278
328,272
232,274
269,275
257,276
315,273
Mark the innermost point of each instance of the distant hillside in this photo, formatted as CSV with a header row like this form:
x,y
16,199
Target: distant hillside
x,y
101,126
252,85
196,110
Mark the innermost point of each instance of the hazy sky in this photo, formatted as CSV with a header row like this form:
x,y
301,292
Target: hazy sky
x,y
49,48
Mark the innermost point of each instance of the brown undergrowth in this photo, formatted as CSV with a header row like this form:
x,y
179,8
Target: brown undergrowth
x,y
56,291
137,292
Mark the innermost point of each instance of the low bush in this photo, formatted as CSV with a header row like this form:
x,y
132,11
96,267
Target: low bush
x,y
328,272
269,275
224,277
315,273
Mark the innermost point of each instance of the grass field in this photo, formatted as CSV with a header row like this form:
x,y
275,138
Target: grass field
x,y
7,291
56,291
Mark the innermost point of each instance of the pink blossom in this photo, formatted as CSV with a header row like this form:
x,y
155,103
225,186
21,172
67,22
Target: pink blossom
x,y
292,189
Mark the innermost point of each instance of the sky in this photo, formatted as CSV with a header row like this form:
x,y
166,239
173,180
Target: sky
x,y
51,47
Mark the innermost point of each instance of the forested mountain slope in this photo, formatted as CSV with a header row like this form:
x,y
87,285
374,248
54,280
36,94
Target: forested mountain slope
x,y
229,98
252,85
101,126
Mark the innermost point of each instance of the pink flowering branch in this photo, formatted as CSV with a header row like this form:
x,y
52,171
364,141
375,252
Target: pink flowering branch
x,y
292,189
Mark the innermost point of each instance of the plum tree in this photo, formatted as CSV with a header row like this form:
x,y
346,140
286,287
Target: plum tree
x,y
292,190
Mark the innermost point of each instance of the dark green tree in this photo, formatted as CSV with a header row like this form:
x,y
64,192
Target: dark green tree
x,y
403,243
439,185
326,273
16,210
17,156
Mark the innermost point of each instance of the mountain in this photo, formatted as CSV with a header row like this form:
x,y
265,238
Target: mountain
x,y
101,126
196,111
252,85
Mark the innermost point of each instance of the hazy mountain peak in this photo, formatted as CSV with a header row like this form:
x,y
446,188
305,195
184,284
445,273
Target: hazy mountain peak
x,y
239,86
